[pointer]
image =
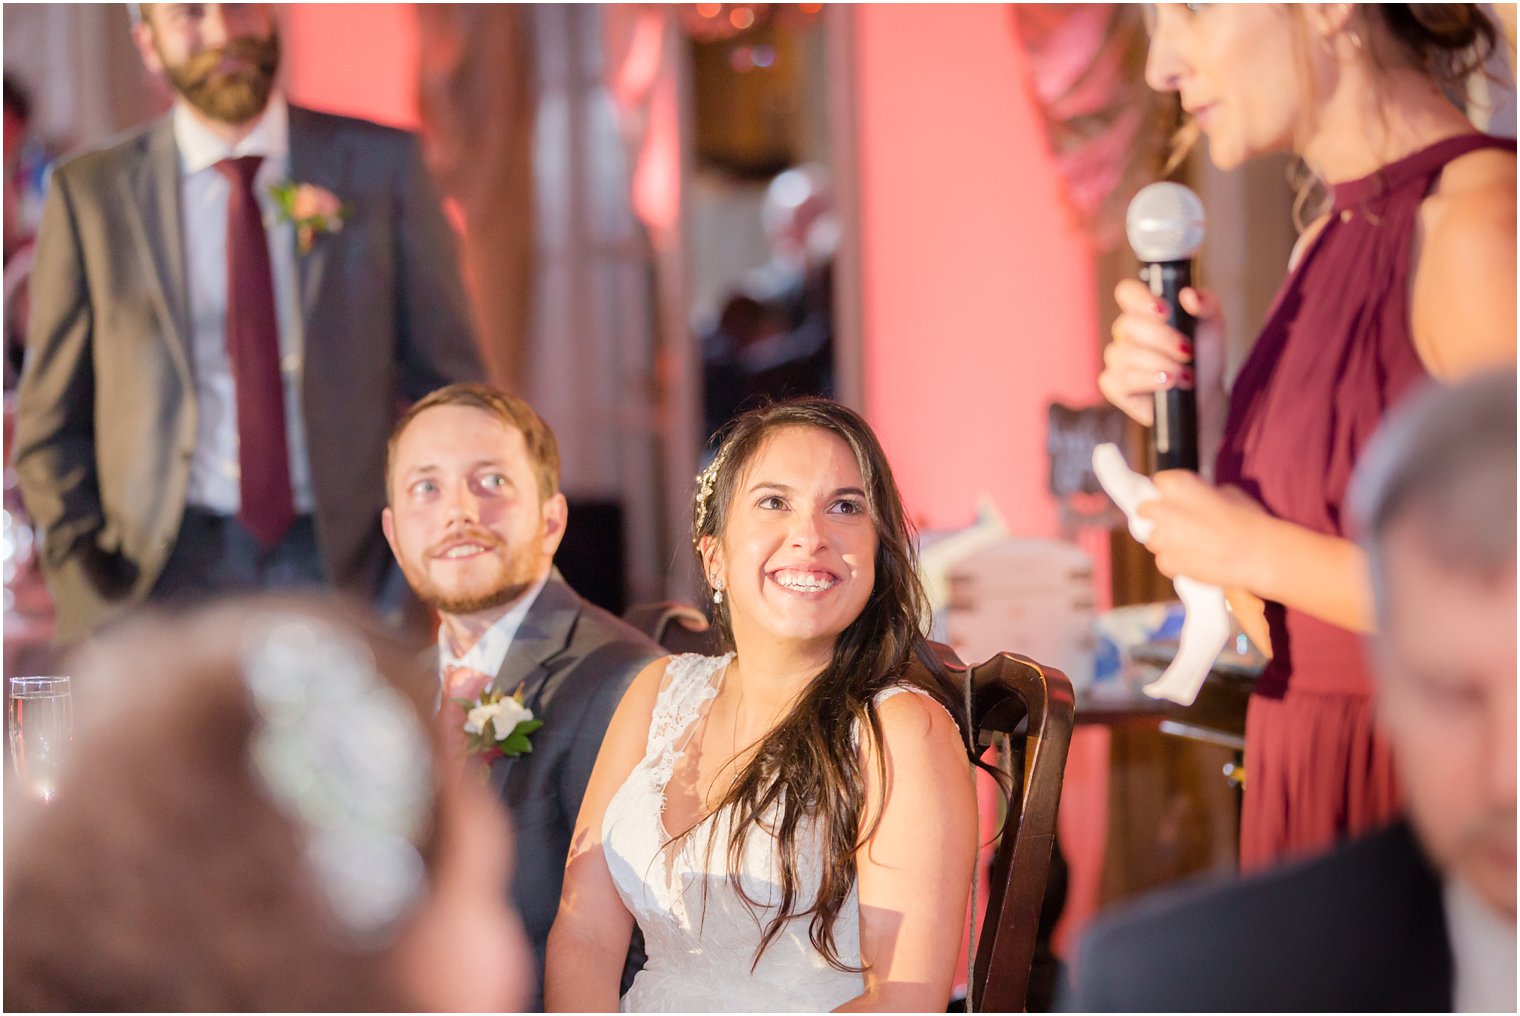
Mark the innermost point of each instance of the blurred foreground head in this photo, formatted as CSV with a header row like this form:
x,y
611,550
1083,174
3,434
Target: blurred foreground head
x,y
1435,504
256,815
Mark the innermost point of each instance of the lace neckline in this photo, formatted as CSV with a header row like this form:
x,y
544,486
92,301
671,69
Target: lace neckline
x,y
684,702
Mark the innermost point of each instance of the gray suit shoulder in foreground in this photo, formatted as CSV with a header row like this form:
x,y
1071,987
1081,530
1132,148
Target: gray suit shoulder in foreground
x,y
1360,929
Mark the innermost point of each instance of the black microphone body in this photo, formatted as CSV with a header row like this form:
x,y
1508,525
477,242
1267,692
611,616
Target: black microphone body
x,y
1175,431
1165,225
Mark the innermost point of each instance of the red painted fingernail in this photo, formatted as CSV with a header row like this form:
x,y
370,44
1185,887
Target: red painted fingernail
x,y
1161,307
1184,378
1187,350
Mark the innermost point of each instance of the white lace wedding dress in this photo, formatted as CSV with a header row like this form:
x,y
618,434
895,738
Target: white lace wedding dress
x,y
702,950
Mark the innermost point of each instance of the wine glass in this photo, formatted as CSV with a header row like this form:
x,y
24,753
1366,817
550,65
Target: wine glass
x,y
41,724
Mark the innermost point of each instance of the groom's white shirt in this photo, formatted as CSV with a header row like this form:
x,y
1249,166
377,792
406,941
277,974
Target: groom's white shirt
x,y
1482,951
490,650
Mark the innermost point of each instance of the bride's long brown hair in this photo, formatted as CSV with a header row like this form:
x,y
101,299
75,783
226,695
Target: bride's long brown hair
x,y
808,768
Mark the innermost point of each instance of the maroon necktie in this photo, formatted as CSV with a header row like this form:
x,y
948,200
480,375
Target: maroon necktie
x,y
253,348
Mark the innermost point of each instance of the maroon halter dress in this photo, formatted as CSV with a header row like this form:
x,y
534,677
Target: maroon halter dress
x,y
1335,355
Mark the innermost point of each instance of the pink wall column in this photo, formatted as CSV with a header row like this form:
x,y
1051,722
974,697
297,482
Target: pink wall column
x,y
977,294
977,304
354,59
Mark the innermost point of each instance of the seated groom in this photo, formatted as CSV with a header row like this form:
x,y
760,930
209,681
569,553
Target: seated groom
x,y
1420,916
474,517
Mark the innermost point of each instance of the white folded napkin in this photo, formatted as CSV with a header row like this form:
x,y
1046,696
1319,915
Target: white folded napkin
x,y
1206,619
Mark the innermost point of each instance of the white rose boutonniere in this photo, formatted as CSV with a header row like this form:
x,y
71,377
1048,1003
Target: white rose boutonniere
x,y
498,724
312,209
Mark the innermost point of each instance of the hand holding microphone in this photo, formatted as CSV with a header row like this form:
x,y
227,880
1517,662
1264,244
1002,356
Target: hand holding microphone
x,y
1152,361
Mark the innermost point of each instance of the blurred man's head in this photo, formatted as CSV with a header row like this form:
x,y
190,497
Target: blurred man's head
x,y
798,216
474,510
221,57
1435,504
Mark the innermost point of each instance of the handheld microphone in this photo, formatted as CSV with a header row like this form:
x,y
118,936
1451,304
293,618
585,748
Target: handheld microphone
x,y
1165,227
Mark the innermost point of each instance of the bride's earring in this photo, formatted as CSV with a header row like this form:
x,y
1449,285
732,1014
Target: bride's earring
x,y
717,585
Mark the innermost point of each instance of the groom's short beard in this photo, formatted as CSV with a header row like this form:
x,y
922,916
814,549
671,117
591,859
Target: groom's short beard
x,y
445,603
235,97
514,578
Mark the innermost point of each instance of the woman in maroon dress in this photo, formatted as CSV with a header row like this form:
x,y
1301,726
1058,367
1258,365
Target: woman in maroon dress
x,y
1408,273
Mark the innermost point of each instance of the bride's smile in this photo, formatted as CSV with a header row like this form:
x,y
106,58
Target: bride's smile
x,y
804,581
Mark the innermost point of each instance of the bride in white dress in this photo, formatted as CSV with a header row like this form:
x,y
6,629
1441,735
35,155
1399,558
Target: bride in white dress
x,y
792,824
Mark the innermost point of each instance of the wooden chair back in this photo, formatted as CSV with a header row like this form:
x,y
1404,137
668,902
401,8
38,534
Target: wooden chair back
x,y
679,627
1033,705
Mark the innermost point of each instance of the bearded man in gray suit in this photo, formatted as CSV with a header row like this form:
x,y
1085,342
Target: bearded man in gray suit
x,y
475,515
228,309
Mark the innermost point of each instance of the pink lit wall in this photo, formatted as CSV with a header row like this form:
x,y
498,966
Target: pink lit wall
x,y
977,308
355,59
978,304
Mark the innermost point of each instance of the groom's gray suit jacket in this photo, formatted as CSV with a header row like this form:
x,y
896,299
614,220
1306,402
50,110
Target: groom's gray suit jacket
x,y
574,661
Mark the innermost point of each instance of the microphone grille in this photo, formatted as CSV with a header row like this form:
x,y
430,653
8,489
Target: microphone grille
x,y
1165,223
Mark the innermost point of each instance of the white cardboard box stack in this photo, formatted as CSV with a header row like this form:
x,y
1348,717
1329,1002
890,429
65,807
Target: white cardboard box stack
x,y
1028,596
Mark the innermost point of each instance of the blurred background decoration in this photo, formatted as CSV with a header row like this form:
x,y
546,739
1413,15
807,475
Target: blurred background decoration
x,y
750,83
1108,137
743,25
476,95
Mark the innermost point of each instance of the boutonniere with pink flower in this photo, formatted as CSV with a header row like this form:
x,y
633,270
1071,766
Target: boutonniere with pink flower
x,y
498,724
311,209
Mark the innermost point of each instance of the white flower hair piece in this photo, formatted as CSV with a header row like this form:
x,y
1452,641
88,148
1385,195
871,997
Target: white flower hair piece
x,y
343,754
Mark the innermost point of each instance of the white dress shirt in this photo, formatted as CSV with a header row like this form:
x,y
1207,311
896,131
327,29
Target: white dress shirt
x,y
490,650
1482,951
214,471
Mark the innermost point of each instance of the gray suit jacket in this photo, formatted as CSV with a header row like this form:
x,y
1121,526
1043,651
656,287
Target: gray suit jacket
x,y
1361,929
574,661
106,421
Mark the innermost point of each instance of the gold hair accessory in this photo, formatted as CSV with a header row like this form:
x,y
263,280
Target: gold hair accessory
x,y
705,480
